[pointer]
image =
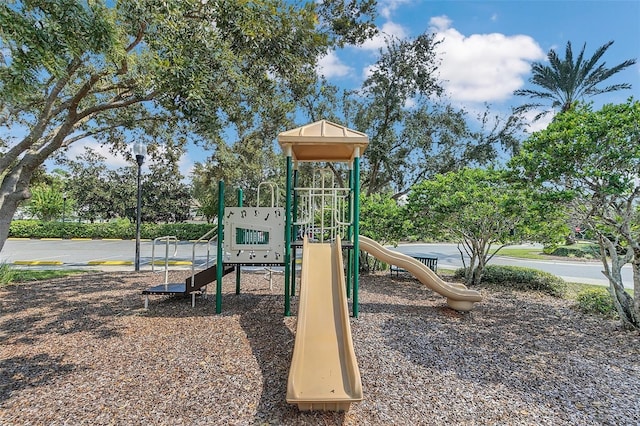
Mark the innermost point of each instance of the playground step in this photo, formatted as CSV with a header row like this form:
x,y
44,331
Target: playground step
x,y
170,288
206,276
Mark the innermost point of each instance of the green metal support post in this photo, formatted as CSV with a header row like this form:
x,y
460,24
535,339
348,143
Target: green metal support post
x,y
356,230
350,233
294,216
238,266
287,237
219,254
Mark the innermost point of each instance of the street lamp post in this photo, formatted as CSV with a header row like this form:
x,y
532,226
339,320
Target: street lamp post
x,y
140,151
64,209
64,205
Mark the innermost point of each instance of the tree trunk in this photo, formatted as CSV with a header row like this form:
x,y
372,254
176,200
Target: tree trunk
x,y
624,303
7,210
477,262
479,271
636,283
8,206
474,274
13,189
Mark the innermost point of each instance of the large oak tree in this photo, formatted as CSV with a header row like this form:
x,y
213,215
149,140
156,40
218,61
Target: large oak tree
x,y
414,134
150,70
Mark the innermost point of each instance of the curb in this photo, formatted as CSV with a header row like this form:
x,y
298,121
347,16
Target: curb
x,y
38,262
142,240
173,262
100,263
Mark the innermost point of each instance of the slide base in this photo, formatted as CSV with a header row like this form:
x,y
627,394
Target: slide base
x,y
323,406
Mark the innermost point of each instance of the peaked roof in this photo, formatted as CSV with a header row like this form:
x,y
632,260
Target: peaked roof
x,y
323,141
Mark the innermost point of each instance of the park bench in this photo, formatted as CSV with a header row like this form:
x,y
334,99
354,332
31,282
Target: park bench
x,y
429,261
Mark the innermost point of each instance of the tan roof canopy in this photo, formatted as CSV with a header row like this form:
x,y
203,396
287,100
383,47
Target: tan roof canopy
x,y
323,141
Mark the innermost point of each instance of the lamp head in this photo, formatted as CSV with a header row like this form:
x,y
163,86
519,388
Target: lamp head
x,y
139,151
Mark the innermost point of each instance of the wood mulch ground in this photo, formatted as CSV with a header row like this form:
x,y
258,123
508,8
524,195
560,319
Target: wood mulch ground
x,y
83,351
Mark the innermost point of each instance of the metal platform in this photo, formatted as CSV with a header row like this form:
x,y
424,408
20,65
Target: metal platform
x,y
166,289
173,288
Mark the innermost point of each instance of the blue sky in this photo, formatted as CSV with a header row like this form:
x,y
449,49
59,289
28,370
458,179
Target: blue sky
x,y
489,46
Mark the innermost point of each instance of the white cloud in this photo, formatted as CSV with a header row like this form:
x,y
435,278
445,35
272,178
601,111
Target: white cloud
x,y
440,23
116,161
368,70
186,167
482,67
387,7
540,124
410,103
113,161
331,66
388,29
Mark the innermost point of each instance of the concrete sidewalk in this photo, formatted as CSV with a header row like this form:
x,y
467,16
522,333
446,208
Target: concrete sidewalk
x,y
111,255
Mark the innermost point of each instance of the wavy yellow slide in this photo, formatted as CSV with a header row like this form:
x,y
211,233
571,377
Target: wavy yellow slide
x,y
459,297
324,372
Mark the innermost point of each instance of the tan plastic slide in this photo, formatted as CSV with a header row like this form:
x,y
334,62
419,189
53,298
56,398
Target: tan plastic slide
x,y
324,372
459,297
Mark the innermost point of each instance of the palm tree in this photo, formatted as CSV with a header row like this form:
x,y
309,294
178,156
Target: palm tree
x,y
564,82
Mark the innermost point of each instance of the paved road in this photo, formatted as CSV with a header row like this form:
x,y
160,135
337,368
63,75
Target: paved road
x,y
587,272
78,253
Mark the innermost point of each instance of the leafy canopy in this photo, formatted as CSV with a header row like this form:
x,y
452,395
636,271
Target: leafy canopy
x,y
478,208
593,159
160,71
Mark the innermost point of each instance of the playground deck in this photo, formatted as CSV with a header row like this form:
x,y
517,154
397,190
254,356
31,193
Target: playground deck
x,y
172,288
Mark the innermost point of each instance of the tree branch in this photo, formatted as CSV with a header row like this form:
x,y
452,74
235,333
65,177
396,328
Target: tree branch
x,y
43,117
138,39
116,104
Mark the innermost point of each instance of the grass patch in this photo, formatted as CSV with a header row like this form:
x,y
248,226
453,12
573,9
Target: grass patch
x,y
585,250
25,275
6,274
520,278
446,272
523,253
573,289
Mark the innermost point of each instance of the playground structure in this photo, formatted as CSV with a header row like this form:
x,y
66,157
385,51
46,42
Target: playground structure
x,y
322,220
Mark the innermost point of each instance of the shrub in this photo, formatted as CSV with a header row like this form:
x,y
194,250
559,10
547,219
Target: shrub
x,y
596,301
121,228
519,278
585,251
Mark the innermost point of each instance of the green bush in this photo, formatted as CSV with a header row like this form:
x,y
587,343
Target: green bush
x,y
519,278
584,251
122,229
596,301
